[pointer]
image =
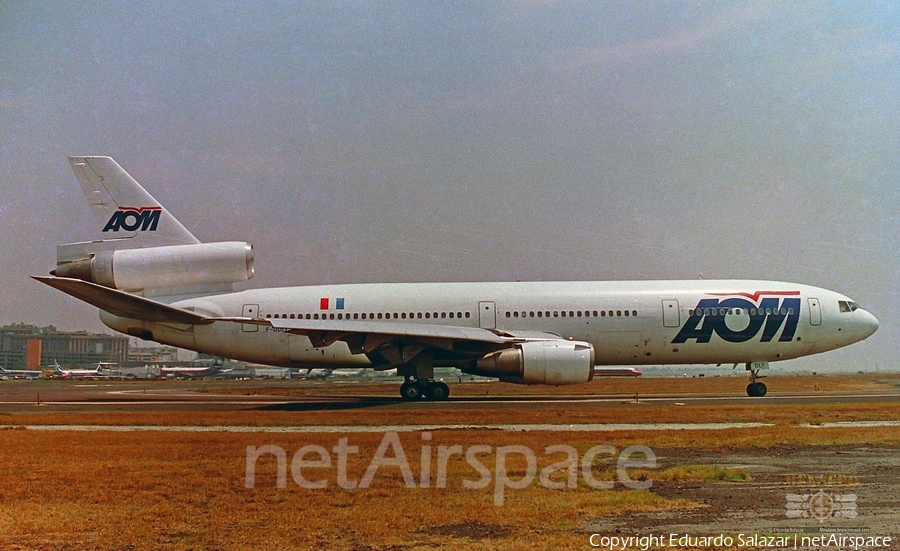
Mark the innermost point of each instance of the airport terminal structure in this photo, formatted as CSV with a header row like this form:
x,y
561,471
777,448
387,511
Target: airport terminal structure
x,y
24,346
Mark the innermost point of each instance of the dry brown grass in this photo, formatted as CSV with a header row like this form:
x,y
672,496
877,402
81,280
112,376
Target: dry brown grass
x,y
184,491
174,491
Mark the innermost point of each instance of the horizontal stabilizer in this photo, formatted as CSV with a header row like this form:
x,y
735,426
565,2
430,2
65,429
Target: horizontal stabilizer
x,y
122,304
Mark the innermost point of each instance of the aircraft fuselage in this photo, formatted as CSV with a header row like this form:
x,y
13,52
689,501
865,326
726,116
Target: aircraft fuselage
x,y
628,323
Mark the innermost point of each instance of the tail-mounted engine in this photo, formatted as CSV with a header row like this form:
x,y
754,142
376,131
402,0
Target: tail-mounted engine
x,y
540,362
204,265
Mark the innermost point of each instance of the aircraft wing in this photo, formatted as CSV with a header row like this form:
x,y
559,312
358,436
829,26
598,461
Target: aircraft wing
x,y
365,337
395,342
122,304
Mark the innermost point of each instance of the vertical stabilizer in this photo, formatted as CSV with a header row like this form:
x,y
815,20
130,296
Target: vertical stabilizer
x,y
124,209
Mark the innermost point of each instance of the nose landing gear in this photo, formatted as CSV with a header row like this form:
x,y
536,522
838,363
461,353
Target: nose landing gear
x,y
755,389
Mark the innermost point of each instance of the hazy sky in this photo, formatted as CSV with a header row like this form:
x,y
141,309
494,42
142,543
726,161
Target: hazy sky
x,y
358,142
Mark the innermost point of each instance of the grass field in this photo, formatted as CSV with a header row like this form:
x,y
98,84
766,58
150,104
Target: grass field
x,y
108,490
185,491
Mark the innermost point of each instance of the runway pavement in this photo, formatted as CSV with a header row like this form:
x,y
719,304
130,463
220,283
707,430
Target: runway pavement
x,y
61,396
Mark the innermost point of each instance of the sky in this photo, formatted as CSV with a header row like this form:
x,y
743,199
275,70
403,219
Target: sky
x,y
469,141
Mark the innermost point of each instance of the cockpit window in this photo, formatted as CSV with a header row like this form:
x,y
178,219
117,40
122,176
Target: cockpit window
x,y
848,305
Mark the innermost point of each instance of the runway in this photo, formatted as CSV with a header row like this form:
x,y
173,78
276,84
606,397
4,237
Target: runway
x,y
55,396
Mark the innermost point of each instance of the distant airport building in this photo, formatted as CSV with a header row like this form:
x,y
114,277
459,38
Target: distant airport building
x,y
152,355
24,346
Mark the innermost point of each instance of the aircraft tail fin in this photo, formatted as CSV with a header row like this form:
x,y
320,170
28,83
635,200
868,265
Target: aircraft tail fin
x,y
124,209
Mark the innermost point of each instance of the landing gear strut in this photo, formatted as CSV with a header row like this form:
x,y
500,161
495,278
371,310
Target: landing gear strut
x,y
420,383
755,389
424,388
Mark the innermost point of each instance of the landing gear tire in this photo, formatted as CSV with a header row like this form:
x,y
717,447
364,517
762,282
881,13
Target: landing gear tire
x,y
410,391
437,391
431,390
756,390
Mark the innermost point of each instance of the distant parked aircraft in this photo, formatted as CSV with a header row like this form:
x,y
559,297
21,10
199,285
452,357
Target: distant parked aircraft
x,y
616,372
21,374
81,374
190,372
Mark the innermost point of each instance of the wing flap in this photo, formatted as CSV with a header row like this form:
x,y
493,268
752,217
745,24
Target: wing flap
x,y
123,304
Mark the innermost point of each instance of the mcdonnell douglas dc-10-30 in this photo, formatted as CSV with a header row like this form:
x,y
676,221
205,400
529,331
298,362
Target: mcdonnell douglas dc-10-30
x,y
151,278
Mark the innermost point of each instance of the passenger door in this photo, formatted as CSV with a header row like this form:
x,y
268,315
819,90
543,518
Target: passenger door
x,y
487,314
815,312
250,311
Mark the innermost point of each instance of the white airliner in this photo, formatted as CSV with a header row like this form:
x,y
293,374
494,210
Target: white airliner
x,y
24,374
191,372
81,374
151,278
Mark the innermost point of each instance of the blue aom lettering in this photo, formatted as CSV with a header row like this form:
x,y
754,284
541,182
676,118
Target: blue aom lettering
x,y
710,317
130,219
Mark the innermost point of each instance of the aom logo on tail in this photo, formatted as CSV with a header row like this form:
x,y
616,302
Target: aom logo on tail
x,y
741,319
134,219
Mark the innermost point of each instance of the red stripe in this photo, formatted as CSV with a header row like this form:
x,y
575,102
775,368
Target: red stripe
x,y
323,304
755,296
139,209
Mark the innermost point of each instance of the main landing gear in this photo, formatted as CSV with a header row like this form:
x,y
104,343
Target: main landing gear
x,y
755,389
420,383
414,389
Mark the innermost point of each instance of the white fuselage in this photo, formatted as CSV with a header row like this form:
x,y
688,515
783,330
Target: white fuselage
x,y
628,323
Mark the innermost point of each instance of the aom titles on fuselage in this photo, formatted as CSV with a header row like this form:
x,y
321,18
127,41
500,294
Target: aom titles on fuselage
x,y
158,282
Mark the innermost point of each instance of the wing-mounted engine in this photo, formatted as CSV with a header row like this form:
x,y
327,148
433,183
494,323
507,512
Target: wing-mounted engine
x,y
540,362
167,270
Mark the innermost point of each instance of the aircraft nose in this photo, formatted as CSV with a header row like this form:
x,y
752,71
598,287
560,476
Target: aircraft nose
x,y
868,324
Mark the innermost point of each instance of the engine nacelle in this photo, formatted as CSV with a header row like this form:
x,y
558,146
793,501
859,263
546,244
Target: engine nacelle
x,y
541,362
174,266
